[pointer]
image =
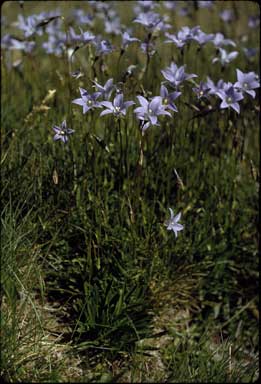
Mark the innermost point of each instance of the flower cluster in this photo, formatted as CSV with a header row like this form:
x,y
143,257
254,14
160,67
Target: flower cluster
x,y
61,36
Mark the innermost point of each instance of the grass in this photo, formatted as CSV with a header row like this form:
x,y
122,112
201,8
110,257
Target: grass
x,y
93,287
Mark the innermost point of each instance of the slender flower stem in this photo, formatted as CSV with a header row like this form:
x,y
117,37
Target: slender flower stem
x,y
126,148
93,67
147,54
120,56
121,149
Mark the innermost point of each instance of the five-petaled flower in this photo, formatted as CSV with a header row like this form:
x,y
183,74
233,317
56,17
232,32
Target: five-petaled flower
x,y
202,90
172,224
62,133
230,97
168,98
225,57
149,111
151,20
246,82
176,75
88,101
118,107
105,90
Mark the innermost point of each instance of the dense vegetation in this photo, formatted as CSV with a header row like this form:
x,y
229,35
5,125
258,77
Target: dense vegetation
x,y
98,276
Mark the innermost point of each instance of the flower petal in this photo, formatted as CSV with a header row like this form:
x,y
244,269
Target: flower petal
x,y
78,101
106,112
177,217
179,227
107,104
143,102
236,107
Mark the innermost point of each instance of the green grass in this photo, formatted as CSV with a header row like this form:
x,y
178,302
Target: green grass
x,y
90,275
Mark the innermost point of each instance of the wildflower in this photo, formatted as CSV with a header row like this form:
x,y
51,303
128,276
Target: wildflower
x,y
253,21
102,47
62,133
28,25
87,37
250,52
183,11
152,21
225,57
168,98
113,26
246,82
184,36
205,4
227,15
99,6
74,38
202,90
88,101
176,75
144,6
170,5
127,40
55,26
83,18
219,40
189,33
106,90
148,112
172,224
148,47
213,89
56,43
230,97
176,39
202,38
6,41
84,37
117,107
26,46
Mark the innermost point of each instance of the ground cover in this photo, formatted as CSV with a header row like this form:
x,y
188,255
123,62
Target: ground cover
x,y
129,165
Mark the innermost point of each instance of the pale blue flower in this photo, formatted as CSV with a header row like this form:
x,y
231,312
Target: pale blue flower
x,y
149,111
219,40
168,98
227,15
118,107
127,40
176,75
172,224
88,101
246,82
106,89
230,97
225,57
62,133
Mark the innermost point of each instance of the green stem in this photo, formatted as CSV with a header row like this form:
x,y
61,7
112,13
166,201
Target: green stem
x,y
121,149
